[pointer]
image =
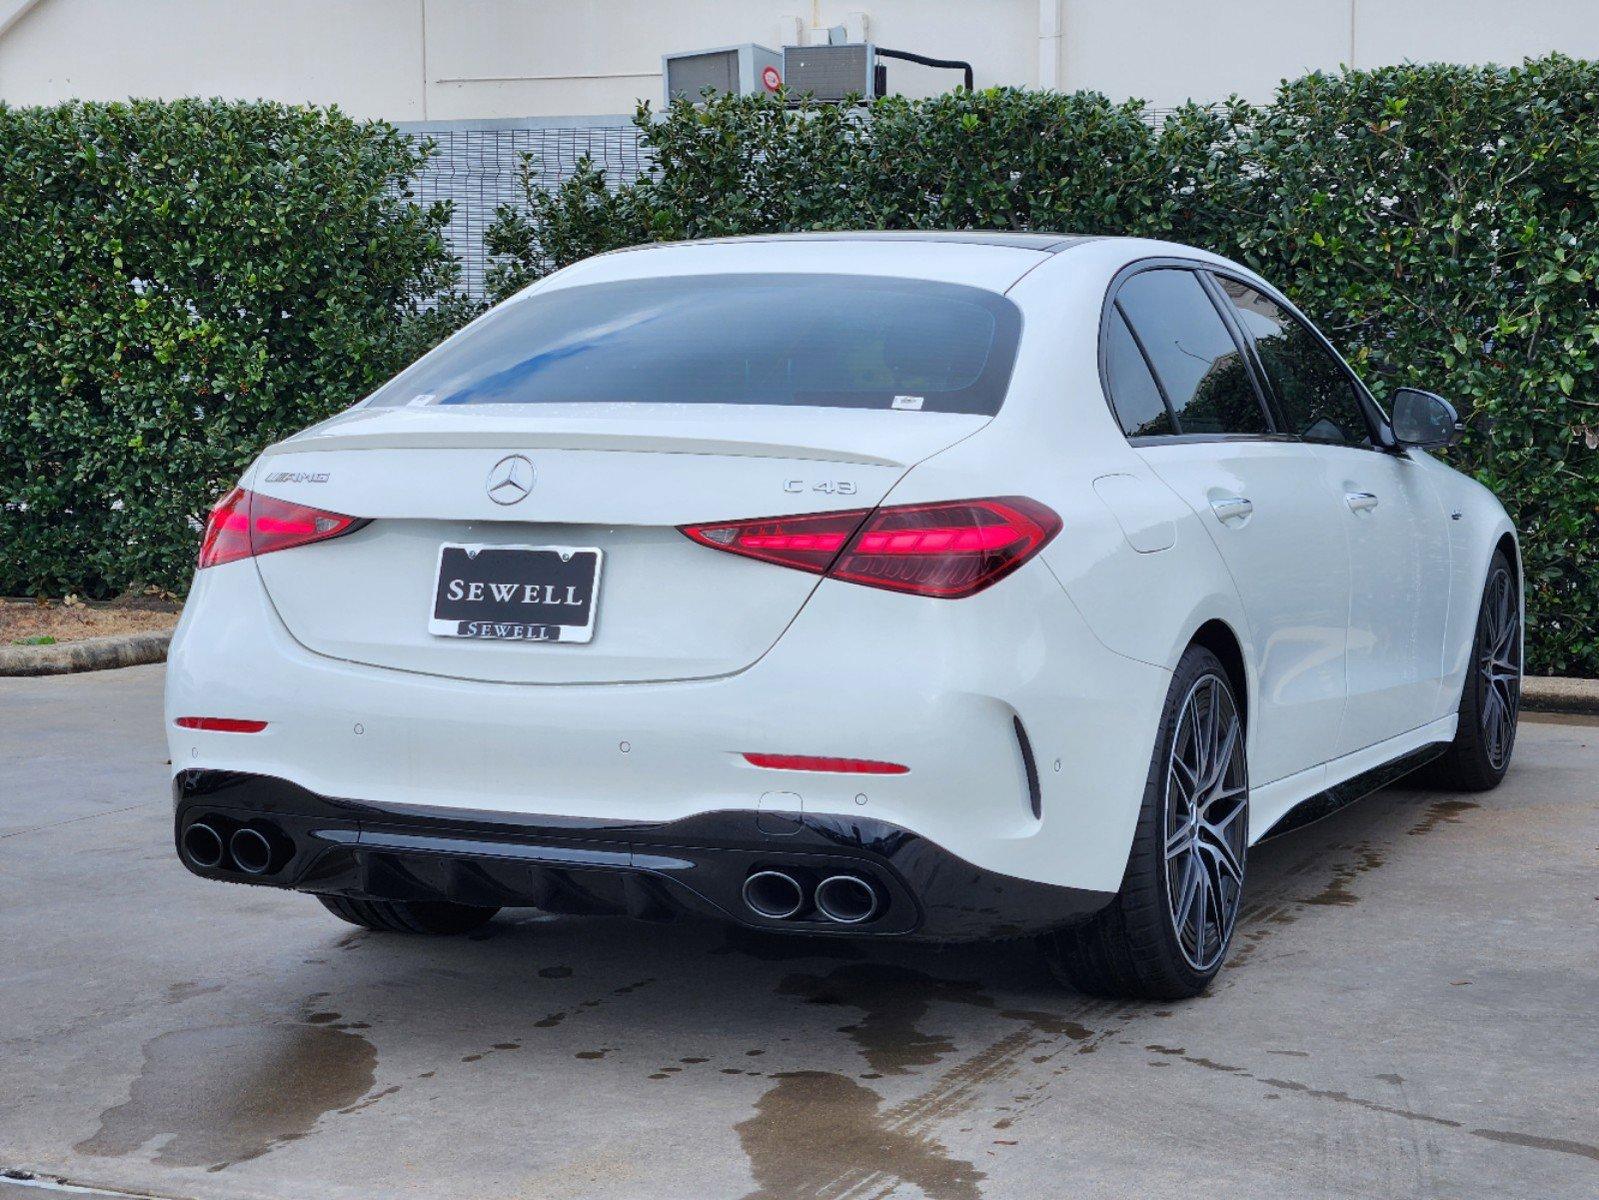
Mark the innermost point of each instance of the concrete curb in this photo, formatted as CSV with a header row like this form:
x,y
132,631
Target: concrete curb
x,y
1545,693
91,654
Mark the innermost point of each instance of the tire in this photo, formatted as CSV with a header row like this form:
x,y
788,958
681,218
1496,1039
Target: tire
x,y
1490,701
408,916
1142,945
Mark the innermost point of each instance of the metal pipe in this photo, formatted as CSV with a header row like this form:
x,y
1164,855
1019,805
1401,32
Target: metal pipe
x,y
953,64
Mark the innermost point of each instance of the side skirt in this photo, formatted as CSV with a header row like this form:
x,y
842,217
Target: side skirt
x,y
1323,804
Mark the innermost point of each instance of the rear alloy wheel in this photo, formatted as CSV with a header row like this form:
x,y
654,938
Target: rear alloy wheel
x,y
408,916
1167,932
1490,700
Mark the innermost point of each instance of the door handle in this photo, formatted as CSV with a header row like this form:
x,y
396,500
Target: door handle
x,y
1360,501
1231,508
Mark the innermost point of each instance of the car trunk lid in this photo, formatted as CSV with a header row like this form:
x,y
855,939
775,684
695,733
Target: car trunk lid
x,y
618,479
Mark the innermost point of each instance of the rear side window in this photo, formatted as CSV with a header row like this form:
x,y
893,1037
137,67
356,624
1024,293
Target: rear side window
x,y
831,341
1133,393
1316,399
1195,359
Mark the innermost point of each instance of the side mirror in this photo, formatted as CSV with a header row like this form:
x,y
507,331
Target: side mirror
x,y
1424,420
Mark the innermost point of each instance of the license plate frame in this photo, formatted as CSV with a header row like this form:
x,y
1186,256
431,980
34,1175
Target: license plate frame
x,y
504,610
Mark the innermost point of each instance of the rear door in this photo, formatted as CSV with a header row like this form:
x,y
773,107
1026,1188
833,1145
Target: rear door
x,y
1397,530
1188,400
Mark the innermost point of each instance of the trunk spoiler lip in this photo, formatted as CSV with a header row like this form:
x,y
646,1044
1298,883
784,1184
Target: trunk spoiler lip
x,y
420,431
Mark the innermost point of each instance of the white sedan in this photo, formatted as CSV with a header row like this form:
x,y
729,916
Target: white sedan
x,y
957,585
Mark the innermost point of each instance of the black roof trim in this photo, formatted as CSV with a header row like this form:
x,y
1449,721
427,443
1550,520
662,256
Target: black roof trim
x,y
1043,243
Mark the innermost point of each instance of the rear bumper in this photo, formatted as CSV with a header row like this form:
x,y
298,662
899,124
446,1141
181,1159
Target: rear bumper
x,y
945,688
652,870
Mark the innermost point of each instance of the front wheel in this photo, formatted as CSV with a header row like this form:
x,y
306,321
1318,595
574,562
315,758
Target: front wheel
x,y
1490,701
1168,930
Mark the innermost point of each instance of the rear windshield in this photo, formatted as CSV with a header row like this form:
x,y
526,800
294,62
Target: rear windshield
x,y
830,341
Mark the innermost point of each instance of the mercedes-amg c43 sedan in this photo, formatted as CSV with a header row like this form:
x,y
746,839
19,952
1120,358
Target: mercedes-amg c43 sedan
x,y
952,586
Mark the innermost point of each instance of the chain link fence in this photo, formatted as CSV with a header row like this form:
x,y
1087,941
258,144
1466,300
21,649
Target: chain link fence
x,y
478,167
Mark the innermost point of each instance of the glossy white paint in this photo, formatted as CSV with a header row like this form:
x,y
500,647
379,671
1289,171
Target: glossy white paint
x,y
1399,594
1353,626
1287,559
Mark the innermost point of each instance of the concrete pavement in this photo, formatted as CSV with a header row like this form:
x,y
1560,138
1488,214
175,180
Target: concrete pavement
x,y
1411,1010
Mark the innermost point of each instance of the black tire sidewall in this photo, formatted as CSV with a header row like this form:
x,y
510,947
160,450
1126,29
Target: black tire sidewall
x,y
1149,851
1474,692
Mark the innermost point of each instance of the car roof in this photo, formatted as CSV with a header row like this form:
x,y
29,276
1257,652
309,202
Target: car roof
x,y
1045,243
993,260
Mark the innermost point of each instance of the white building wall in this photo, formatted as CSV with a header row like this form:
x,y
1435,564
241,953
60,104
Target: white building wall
x,y
363,54
411,60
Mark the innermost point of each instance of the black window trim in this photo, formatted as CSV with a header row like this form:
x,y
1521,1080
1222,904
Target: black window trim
x,y
1113,305
1154,377
1376,426
1382,439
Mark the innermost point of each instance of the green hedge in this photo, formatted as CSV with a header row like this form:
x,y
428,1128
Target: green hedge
x,y
180,284
1440,223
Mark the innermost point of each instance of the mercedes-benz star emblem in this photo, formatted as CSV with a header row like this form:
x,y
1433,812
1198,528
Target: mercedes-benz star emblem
x,y
511,479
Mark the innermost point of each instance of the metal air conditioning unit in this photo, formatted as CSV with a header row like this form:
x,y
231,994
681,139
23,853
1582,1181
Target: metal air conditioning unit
x,y
829,73
743,70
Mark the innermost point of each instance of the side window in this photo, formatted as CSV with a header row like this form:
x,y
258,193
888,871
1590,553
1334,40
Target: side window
x,y
1133,393
1315,397
1195,360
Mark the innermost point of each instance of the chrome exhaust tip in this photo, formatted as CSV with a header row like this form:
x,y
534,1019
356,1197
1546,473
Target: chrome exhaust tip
x,y
252,851
847,899
775,895
202,845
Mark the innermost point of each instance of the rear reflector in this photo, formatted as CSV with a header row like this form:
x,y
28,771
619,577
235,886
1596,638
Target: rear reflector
x,y
949,549
220,724
840,766
245,523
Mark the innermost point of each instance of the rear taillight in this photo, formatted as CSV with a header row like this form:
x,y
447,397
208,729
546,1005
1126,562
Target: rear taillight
x,y
949,549
246,523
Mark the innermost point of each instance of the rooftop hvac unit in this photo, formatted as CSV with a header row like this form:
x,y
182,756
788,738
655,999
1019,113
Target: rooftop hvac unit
x,y
742,70
829,73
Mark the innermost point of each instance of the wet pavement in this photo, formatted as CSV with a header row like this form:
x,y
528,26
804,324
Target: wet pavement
x,y
1412,1009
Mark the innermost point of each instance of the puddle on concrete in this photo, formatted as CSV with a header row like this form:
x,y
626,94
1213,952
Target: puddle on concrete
x,y
1441,812
820,1133
1343,874
893,1001
177,993
223,1094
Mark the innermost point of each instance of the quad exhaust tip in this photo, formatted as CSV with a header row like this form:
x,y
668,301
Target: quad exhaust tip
x,y
203,844
775,895
842,899
252,851
847,899
213,844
